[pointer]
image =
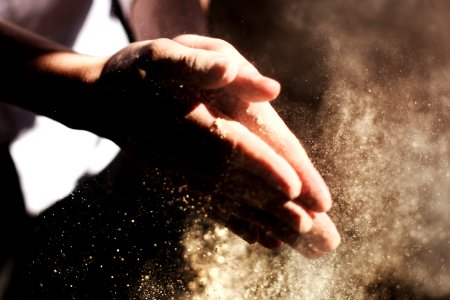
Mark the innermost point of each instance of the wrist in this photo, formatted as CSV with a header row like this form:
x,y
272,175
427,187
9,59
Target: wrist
x,y
66,81
74,67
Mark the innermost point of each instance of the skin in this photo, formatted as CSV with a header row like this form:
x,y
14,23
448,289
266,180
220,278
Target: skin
x,y
182,104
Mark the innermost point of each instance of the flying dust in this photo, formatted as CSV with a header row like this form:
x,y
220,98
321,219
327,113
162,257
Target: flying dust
x,y
367,90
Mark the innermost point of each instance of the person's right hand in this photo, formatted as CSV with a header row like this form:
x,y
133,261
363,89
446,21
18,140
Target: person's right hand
x,y
198,111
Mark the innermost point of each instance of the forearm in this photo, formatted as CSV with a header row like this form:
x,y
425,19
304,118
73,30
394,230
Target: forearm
x,y
44,77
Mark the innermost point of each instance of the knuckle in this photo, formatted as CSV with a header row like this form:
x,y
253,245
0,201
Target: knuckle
x,y
298,217
222,45
191,61
159,47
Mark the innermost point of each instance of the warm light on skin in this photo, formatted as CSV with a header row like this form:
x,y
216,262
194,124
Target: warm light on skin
x,y
71,64
154,19
243,97
205,5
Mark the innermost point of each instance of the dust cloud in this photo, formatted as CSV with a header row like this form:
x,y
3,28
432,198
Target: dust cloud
x,y
367,90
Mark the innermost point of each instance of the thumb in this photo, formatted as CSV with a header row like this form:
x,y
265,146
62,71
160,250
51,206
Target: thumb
x,y
248,84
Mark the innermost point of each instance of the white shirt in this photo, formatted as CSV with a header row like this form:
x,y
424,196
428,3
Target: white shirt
x,y
50,157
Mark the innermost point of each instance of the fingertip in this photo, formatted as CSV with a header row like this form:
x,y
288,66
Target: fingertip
x,y
306,249
333,241
324,233
260,89
270,88
254,87
294,189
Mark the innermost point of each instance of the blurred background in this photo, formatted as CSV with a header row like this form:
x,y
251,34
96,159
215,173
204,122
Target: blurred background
x,y
366,88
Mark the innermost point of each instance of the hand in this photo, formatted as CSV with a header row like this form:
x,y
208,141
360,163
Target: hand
x,y
196,110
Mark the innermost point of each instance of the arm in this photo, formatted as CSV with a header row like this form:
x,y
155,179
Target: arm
x,y
182,104
259,118
45,77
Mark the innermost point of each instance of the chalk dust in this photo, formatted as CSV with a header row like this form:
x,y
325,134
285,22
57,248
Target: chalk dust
x,y
366,86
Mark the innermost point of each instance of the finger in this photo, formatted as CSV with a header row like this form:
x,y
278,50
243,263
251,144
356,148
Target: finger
x,y
320,239
253,88
245,230
284,216
249,84
315,193
165,59
241,190
267,240
323,233
250,224
263,120
248,150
